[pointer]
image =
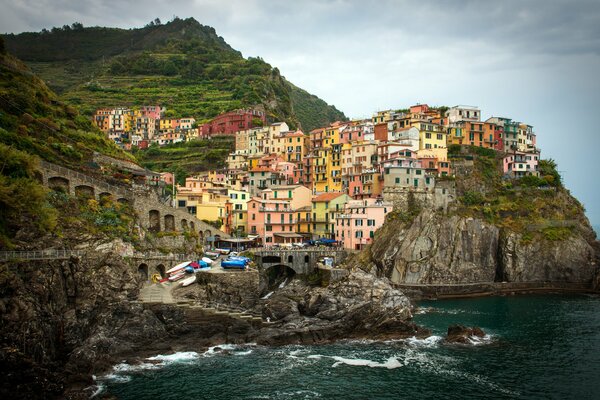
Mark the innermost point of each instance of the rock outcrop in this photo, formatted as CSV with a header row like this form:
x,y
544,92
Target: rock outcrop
x,y
464,335
441,249
362,305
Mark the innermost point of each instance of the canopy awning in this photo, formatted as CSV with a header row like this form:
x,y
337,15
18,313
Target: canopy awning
x,y
288,235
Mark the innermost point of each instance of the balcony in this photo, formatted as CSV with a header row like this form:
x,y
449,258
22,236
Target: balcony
x,y
270,209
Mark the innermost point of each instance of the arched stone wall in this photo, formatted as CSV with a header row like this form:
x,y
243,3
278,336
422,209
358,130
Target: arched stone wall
x,y
184,225
143,271
59,183
84,191
169,223
154,220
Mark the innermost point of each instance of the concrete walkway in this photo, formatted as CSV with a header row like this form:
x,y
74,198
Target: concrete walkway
x,y
157,293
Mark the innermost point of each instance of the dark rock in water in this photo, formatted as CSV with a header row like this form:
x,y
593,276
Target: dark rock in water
x,y
462,334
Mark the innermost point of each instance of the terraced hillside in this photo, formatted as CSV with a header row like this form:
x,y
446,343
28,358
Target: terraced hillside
x,y
182,65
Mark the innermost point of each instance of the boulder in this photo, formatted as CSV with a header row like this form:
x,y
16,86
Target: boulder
x,y
463,335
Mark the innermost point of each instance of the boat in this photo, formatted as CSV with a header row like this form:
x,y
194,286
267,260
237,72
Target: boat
x,y
212,254
233,264
178,267
177,276
188,281
189,269
244,259
223,251
207,260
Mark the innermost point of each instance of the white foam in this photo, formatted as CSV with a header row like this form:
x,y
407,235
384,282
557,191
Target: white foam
x,y
430,341
118,378
175,357
265,297
478,341
390,363
124,367
282,284
243,353
99,389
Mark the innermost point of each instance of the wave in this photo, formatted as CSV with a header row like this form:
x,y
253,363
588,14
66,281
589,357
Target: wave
x,y
175,357
430,341
390,363
236,349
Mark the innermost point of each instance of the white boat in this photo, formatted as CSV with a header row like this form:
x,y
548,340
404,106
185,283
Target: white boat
x,y
207,260
178,267
188,281
177,276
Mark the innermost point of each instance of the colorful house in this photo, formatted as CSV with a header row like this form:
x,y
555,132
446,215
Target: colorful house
x,y
356,224
324,208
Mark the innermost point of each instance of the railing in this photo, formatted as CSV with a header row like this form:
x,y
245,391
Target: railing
x,y
85,178
65,254
39,254
299,250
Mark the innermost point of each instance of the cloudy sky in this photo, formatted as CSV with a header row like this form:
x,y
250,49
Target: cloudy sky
x,y
536,61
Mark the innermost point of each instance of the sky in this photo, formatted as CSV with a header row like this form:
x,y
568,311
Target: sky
x,y
536,61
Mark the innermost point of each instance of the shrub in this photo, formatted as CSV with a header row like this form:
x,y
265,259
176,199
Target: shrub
x,y
472,198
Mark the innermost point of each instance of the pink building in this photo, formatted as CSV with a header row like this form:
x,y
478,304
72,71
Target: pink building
x,y
154,112
519,164
356,225
167,177
273,216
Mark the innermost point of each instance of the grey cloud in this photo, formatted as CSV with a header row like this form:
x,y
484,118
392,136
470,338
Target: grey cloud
x,y
533,60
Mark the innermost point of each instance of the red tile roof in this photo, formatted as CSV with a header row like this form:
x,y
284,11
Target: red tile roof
x,y
327,196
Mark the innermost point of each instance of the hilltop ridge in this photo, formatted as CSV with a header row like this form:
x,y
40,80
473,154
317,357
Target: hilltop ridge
x,y
181,64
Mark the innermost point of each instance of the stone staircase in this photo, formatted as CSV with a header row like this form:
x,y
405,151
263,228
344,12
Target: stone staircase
x,y
195,311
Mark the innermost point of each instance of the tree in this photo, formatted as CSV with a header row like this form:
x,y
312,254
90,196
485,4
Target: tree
x,y
77,26
157,21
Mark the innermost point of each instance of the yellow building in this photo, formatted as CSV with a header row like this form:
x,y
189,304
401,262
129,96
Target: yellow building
x,y
431,136
320,170
324,208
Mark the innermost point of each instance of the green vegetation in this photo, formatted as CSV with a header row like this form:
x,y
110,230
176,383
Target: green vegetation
x,y
187,158
529,205
34,121
182,65
22,198
34,125
560,233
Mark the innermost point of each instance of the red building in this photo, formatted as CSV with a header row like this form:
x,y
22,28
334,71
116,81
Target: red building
x,y
234,121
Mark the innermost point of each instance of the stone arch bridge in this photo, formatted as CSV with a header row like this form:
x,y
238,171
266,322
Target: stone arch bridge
x,y
154,215
301,261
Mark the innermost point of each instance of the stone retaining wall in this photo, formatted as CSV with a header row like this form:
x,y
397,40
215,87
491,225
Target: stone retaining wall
x,y
417,292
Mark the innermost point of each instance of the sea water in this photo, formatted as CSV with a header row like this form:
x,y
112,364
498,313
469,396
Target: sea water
x,y
536,347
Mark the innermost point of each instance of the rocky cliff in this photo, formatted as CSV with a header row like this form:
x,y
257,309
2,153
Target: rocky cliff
x,y
438,248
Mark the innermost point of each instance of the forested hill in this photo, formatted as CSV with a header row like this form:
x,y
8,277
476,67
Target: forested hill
x,y
182,65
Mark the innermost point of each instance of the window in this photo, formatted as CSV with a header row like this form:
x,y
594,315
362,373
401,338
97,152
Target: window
x,y
427,135
427,145
418,171
253,217
268,228
243,197
397,180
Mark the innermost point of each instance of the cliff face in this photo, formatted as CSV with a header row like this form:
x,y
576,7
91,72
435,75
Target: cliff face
x,y
442,249
69,315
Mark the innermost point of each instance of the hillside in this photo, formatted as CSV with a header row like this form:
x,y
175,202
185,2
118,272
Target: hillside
x,y
187,158
182,65
35,125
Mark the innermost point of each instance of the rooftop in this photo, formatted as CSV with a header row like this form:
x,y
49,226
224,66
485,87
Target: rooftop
x,y
327,196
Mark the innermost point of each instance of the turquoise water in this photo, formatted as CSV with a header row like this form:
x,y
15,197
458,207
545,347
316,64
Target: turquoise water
x,y
538,347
